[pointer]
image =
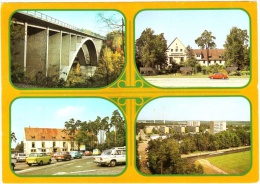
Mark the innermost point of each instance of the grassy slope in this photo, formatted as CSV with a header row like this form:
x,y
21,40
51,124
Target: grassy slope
x,y
236,163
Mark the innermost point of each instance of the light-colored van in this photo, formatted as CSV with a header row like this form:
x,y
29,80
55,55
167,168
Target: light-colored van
x,y
20,157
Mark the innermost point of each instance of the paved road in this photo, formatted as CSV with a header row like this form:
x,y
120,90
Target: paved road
x,y
84,166
197,82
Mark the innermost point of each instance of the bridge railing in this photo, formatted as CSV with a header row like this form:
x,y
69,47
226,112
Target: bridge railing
x,y
50,19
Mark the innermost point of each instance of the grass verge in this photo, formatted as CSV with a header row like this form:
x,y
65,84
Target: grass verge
x,y
235,163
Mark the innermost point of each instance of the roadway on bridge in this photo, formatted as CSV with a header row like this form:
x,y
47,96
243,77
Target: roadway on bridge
x,y
197,82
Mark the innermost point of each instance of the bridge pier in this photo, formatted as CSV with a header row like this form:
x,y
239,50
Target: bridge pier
x,y
50,50
54,53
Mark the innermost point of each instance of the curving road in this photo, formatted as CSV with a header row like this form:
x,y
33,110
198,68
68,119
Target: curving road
x,y
197,82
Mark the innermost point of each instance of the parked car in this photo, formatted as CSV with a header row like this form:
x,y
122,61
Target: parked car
x,y
20,157
38,158
62,156
96,152
75,154
88,153
14,155
111,157
218,76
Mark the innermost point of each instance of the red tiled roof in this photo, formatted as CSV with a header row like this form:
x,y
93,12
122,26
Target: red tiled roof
x,y
45,134
214,53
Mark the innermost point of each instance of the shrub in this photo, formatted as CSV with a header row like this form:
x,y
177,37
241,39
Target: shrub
x,y
245,72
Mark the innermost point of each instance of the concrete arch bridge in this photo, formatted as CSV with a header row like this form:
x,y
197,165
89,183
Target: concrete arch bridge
x,y
51,47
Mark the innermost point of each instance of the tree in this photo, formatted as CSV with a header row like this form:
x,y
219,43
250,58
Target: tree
x,y
160,48
118,124
71,128
84,135
150,49
164,158
17,34
110,65
205,41
236,48
20,147
13,138
113,23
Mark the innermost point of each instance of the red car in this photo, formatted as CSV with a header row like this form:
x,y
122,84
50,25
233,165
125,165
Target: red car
x,y
62,156
218,76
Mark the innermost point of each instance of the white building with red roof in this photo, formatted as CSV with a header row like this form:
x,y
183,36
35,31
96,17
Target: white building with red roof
x,y
47,140
176,53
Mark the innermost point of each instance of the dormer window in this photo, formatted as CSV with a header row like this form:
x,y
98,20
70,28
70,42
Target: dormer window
x,y
63,137
33,136
53,137
43,136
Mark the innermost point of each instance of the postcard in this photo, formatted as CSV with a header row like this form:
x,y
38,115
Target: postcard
x,y
130,92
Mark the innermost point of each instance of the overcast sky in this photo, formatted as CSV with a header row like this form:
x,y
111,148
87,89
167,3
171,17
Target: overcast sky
x,y
54,112
197,108
188,25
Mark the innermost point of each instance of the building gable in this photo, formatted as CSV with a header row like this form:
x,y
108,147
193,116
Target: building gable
x,y
176,43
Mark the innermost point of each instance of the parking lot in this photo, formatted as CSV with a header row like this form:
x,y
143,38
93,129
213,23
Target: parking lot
x,y
83,166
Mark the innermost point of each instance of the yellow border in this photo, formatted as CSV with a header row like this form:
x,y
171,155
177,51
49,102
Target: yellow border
x,y
130,92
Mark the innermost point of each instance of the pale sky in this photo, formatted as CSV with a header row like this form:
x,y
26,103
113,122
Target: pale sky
x,y
197,108
54,112
188,25
86,19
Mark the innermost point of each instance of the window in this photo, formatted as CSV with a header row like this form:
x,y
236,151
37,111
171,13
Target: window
x,y
171,50
43,150
33,144
171,60
33,150
43,144
33,136
64,144
176,50
181,50
53,144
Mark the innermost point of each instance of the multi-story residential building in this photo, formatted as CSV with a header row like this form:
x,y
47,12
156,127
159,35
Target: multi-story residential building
x,y
194,129
193,123
217,126
164,129
148,129
179,129
47,140
176,53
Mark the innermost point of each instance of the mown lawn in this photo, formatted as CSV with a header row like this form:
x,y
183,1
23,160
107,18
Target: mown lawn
x,y
236,163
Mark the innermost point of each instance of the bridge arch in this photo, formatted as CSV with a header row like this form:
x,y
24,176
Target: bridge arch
x,y
86,54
